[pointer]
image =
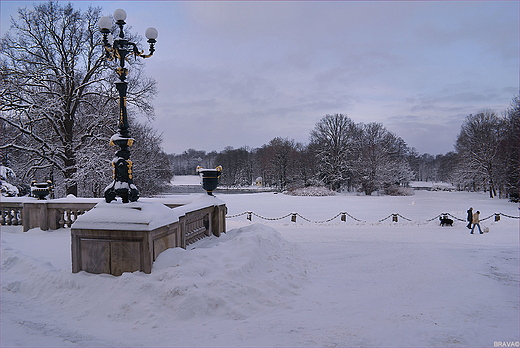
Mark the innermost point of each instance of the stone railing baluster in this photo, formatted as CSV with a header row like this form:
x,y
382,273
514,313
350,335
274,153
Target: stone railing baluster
x,y
61,222
11,214
15,221
68,221
8,220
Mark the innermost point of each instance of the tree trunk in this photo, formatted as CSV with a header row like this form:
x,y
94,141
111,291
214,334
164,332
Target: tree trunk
x,y
71,184
70,159
492,190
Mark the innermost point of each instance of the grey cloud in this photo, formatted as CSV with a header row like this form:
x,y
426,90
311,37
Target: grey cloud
x,y
428,134
255,70
461,102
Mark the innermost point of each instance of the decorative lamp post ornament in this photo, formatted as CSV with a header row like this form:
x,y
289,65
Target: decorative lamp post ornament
x,y
121,49
209,178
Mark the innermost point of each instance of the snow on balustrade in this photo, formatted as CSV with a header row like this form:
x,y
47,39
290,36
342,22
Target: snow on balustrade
x,y
63,212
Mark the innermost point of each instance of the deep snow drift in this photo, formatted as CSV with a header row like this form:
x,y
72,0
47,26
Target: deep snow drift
x,y
278,283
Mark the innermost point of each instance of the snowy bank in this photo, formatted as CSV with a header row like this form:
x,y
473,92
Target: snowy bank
x,y
247,272
278,283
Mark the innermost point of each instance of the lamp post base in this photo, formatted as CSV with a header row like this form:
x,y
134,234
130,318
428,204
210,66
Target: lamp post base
x,y
127,192
123,185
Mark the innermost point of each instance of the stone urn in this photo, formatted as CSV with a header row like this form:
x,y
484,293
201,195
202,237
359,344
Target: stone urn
x,y
41,189
209,178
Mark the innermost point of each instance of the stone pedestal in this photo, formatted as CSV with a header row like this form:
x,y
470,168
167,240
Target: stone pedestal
x,y
115,238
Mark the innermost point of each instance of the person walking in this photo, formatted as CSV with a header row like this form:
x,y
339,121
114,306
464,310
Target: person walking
x,y
470,217
476,222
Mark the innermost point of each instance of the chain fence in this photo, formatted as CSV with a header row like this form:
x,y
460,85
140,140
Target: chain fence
x,y
343,217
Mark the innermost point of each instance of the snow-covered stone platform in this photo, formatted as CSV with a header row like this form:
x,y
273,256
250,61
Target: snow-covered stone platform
x,y
115,238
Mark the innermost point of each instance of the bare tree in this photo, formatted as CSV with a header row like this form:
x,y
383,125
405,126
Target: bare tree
x,y
512,151
478,146
57,97
151,169
237,166
382,161
447,164
334,142
279,163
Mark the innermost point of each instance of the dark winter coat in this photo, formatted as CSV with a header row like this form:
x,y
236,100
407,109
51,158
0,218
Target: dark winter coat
x,y
470,215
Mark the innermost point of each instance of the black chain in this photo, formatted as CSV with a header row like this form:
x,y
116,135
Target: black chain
x,y
393,215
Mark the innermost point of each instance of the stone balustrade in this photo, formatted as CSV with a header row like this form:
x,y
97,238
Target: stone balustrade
x,y
59,213
44,214
11,213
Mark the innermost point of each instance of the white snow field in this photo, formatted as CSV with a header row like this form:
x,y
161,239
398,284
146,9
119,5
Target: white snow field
x,y
278,283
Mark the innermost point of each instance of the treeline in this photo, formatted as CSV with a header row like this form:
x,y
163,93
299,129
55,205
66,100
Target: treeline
x,y
344,155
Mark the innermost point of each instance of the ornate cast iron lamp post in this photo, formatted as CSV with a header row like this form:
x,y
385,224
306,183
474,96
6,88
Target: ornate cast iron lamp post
x,y
121,49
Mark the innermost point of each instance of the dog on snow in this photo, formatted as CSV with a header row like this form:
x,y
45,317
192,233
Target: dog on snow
x,y
446,221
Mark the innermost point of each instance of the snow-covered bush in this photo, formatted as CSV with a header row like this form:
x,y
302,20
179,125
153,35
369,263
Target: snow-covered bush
x,y
311,191
395,190
7,173
8,190
442,187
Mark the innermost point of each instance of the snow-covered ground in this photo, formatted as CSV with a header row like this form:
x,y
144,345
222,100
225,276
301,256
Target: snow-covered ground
x,y
180,180
279,283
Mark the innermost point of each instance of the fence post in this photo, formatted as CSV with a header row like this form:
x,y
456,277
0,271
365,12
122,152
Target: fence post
x,y
293,217
394,217
497,217
344,217
249,215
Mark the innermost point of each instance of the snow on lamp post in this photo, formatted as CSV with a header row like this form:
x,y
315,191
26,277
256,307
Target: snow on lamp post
x,y
120,50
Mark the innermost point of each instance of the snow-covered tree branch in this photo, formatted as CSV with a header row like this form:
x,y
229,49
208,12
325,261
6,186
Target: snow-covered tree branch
x,y
58,98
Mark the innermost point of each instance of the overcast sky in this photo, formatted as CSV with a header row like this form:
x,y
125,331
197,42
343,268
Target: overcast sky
x,y
241,73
